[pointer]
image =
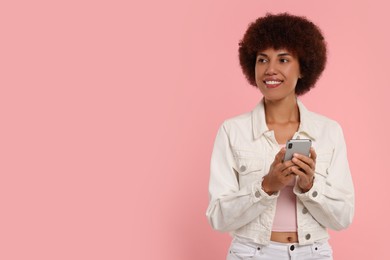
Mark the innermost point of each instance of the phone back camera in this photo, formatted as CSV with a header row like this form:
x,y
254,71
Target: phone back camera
x,y
290,146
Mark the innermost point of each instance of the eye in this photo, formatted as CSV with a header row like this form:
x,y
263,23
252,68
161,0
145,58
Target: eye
x,y
262,60
284,60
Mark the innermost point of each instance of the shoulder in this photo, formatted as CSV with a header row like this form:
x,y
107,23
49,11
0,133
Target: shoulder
x,y
321,119
239,121
324,125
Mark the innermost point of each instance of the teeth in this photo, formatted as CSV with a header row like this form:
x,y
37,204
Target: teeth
x,y
272,82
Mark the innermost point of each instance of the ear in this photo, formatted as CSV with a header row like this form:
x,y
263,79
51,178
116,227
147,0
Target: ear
x,y
300,74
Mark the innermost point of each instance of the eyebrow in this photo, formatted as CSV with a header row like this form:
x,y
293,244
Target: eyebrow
x,y
279,54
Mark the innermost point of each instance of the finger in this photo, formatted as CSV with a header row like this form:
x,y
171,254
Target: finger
x,y
299,171
279,156
288,171
302,175
285,165
307,160
313,154
306,168
304,182
296,171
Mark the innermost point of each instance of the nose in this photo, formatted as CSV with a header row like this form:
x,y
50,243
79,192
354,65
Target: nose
x,y
271,68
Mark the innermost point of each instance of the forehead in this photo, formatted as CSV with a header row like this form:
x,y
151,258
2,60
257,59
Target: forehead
x,y
277,52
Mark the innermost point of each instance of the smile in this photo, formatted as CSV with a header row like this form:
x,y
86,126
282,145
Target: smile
x,y
272,83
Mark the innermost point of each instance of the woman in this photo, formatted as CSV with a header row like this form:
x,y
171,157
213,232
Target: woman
x,y
278,209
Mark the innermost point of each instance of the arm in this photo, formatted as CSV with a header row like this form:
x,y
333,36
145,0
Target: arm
x,y
331,198
231,207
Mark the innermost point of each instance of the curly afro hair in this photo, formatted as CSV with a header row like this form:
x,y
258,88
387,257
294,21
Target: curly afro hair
x,y
284,31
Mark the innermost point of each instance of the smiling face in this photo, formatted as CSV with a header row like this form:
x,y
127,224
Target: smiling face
x,y
277,73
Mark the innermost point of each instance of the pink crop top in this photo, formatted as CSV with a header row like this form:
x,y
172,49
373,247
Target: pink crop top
x,y
285,219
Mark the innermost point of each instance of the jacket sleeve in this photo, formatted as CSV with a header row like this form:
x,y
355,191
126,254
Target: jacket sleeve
x,y
331,199
231,207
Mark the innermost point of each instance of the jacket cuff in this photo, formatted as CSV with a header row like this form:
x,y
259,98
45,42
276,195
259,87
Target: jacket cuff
x,y
258,194
314,194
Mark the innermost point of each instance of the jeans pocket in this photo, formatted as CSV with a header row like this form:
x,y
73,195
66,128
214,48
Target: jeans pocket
x,y
240,251
323,249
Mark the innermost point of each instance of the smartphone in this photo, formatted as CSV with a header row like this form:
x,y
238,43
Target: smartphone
x,y
300,146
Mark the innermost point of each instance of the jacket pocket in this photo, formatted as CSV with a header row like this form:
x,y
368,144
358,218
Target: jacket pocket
x,y
249,169
323,162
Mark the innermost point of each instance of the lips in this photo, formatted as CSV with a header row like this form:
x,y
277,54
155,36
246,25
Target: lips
x,y
272,83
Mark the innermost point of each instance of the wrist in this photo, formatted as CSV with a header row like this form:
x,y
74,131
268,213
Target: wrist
x,y
309,186
265,186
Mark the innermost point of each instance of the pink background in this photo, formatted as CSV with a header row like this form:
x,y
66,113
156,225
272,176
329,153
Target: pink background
x,y
109,111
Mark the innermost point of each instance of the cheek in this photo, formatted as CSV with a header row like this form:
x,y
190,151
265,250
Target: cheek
x,y
298,70
293,74
256,71
257,75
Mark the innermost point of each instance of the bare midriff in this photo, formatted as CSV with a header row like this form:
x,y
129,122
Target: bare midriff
x,y
284,237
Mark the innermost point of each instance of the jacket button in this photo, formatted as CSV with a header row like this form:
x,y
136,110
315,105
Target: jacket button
x,y
314,194
242,168
304,210
257,194
308,236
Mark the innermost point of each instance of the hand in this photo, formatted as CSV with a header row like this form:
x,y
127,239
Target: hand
x,y
280,174
304,169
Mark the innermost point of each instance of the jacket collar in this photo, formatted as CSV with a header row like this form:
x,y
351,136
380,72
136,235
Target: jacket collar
x,y
306,126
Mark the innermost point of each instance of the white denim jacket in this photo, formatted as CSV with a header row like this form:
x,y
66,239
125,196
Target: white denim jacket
x,y
243,151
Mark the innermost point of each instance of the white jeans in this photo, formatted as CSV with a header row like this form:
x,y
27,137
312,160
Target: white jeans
x,y
278,251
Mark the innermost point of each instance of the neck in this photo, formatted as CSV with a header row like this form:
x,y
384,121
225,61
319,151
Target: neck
x,y
281,111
